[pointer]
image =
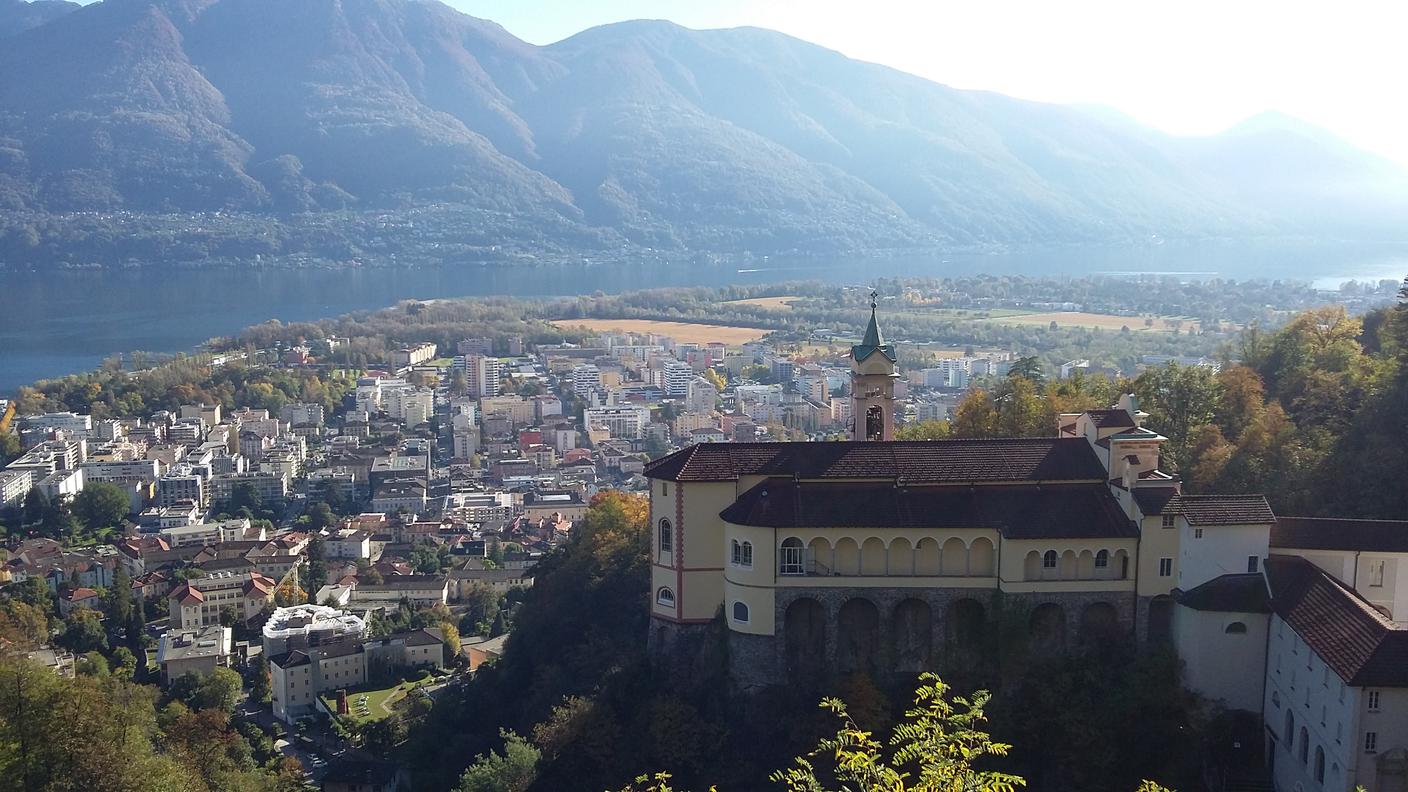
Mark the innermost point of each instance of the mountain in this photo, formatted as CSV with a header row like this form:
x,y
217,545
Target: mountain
x,y
17,16
664,136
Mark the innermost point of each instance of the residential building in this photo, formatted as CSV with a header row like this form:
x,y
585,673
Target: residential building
x,y
419,589
299,676
194,651
622,421
413,355
198,601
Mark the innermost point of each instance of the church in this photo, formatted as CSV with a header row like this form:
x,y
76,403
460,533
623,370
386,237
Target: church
x,y
890,556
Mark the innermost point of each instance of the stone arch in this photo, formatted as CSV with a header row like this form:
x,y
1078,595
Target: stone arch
x,y
955,558
857,635
1050,565
1099,624
1068,565
901,557
1104,569
1032,566
1085,565
982,558
873,559
805,626
1047,626
822,557
1160,627
847,556
965,631
911,635
792,557
927,560
1119,565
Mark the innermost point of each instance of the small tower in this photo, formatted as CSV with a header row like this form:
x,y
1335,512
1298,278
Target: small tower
x,y
873,378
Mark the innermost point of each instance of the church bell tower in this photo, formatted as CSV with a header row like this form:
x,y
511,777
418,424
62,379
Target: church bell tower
x,y
873,378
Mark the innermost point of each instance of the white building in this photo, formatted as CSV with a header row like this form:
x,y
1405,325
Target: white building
x,y
624,421
585,379
198,602
483,374
61,484
302,414
677,376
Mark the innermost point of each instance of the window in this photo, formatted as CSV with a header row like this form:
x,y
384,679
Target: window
x,y
1373,701
1289,734
1048,560
747,554
665,597
1165,567
1371,742
1276,699
792,559
740,612
1376,572
1253,564
667,537
1168,520
736,557
1197,533
1324,710
1236,628
1102,559
1304,746
664,488
1319,765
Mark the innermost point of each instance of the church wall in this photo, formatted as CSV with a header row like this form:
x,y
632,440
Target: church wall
x,y
1222,666
1222,550
701,548
1157,542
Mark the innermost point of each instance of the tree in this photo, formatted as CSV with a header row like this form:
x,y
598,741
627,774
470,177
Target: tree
x,y
459,384
320,518
975,416
36,506
1028,368
244,498
120,601
424,559
924,430
1178,400
514,770
1022,412
260,689
101,505
83,632
23,625
941,736
229,616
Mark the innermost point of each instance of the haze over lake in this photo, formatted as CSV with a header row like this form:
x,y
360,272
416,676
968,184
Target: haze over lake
x,y
57,323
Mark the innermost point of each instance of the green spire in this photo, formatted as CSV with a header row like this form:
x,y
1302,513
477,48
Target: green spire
x,y
873,341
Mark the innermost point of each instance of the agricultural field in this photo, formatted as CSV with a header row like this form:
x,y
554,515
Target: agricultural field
x,y
783,303
1102,321
683,332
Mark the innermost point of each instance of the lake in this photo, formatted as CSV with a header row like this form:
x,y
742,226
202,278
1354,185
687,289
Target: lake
x,y
59,323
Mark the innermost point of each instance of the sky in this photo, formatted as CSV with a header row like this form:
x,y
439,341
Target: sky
x,y
1188,67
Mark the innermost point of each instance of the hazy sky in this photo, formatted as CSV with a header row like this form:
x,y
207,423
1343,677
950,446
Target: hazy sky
x,y
1190,67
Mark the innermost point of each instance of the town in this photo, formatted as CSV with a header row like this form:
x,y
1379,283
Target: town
x,y
325,569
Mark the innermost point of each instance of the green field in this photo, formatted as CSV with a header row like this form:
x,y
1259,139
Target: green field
x,y
378,703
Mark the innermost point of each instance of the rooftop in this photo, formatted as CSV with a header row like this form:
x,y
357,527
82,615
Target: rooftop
x,y
1240,593
1325,533
1202,510
1362,646
1019,512
911,462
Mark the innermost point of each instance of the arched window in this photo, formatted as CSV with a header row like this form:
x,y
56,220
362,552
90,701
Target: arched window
x,y
1319,765
1236,628
792,559
736,556
747,554
665,597
667,537
1289,735
1304,746
1102,559
1048,560
740,612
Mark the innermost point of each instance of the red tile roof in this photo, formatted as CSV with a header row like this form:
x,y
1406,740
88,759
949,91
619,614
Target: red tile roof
x,y
1111,419
929,461
1019,512
1359,643
1328,533
1222,509
187,595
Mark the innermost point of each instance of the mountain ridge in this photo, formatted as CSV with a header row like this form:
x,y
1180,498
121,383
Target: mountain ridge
x,y
732,139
